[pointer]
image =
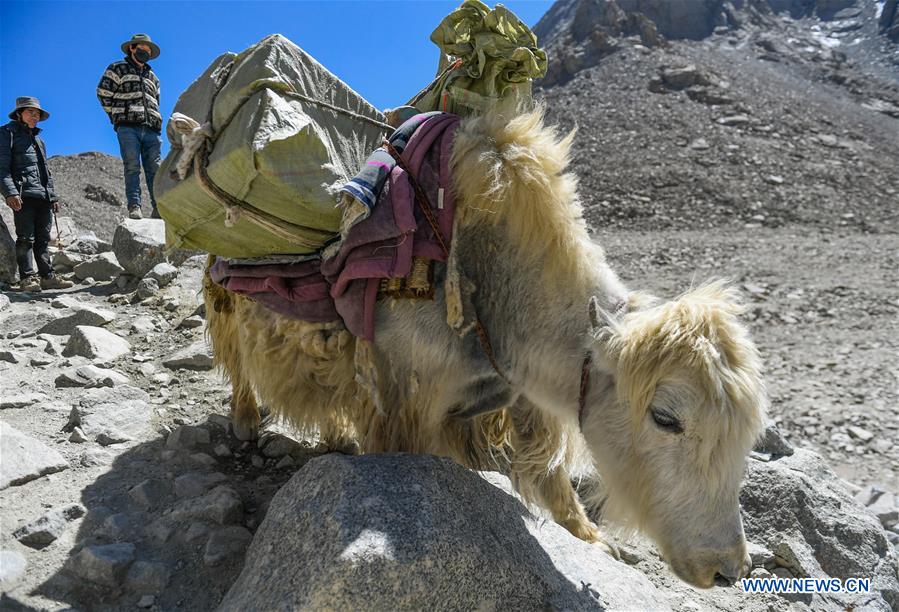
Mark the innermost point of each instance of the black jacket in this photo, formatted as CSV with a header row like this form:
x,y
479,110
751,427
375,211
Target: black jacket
x,y
23,163
130,94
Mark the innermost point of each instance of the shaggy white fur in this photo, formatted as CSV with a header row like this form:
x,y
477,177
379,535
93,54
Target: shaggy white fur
x,y
676,397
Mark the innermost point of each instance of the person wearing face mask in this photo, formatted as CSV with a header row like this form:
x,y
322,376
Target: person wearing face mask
x,y
129,93
27,186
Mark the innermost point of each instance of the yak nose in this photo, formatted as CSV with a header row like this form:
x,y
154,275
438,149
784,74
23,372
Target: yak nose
x,y
732,571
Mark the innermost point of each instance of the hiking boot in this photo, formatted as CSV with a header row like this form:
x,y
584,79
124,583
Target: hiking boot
x,y
155,214
135,213
30,284
55,282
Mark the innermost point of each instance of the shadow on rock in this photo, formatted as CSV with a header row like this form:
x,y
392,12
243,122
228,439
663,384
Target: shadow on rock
x,y
168,524
417,532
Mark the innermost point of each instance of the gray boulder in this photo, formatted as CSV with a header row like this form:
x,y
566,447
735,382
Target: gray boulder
x,y
96,343
224,543
9,270
25,458
64,231
81,314
682,77
46,529
90,376
187,437
11,357
222,505
88,244
106,565
413,532
139,244
20,400
103,267
197,356
147,577
115,415
147,288
772,442
65,261
36,316
798,508
163,273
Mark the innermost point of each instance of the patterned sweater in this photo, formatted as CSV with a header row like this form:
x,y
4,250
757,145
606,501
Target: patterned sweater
x,y
130,94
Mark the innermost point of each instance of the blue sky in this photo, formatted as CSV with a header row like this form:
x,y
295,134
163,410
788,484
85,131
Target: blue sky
x,y
57,51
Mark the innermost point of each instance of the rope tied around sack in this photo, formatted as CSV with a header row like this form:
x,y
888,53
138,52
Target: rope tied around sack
x,y
193,136
196,145
197,142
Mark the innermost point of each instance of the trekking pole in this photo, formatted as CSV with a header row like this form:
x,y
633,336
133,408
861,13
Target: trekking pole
x,y
58,235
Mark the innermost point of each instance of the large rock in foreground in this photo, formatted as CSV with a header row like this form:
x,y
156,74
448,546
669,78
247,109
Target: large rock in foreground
x,y
139,244
800,510
412,532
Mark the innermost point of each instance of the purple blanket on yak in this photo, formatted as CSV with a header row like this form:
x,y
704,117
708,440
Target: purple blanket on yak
x,y
345,286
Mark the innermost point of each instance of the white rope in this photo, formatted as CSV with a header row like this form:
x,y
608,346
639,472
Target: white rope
x,y
193,136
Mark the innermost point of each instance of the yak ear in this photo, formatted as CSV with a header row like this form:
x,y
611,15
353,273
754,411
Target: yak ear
x,y
599,318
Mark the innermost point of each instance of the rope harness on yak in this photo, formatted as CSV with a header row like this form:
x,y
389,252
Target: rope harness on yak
x,y
587,363
424,204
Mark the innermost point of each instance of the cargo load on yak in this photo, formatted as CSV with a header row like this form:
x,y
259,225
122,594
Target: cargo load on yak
x,y
261,143
266,144
488,60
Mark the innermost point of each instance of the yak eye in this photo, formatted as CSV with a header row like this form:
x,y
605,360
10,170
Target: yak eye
x,y
667,422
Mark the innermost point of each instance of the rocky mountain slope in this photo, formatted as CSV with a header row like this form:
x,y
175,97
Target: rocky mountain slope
x,y
579,32
123,485
91,189
760,154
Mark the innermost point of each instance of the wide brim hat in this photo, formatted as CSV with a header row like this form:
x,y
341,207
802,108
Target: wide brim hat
x,y
28,102
141,39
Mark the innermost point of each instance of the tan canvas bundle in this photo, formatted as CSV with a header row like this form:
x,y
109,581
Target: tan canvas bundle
x,y
261,142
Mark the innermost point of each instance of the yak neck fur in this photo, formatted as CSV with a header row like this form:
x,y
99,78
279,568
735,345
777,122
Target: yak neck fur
x,y
511,172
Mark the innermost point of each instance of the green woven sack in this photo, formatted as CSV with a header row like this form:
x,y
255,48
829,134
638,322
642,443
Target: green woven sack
x,y
488,60
261,143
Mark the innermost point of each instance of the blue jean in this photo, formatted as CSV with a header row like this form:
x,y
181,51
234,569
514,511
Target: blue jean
x,y
139,145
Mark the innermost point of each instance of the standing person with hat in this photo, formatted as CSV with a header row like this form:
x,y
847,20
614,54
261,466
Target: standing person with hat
x,y
27,185
129,93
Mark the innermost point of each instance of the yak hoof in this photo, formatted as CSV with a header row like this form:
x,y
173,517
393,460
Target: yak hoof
x,y
610,548
589,532
244,432
344,447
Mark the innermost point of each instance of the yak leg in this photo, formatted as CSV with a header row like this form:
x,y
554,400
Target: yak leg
x,y
245,415
483,395
338,435
226,349
538,469
475,429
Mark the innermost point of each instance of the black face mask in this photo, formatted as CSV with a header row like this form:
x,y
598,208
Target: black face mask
x,y
141,55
